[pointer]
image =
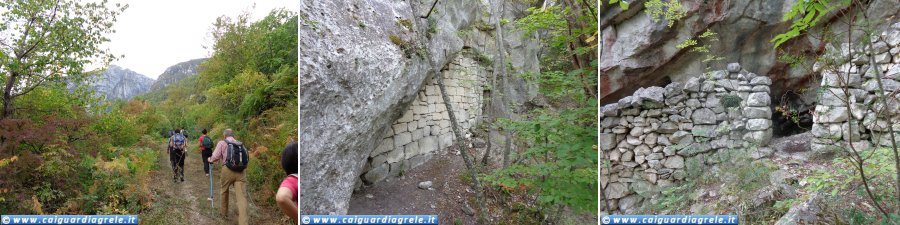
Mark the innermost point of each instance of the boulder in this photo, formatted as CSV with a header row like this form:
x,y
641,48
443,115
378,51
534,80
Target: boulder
x,y
758,124
761,80
643,188
616,190
733,67
826,130
835,97
757,112
694,149
889,85
674,162
425,185
692,85
758,99
609,110
673,89
761,152
628,204
761,137
652,94
830,114
704,131
806,212
703,116
607,141
830,79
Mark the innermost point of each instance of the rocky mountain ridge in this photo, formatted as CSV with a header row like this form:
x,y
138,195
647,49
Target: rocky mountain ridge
x,y
117,83
177,72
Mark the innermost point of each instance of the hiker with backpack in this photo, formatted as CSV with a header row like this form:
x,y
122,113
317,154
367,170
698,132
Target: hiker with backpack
x,y
177,144
206,148
286,196
236,159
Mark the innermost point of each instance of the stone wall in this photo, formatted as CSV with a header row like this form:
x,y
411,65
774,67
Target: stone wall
x,y
835,123
647,137
424,127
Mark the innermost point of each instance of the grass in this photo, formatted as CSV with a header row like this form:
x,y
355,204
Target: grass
x,y
405,23
405,46
741,180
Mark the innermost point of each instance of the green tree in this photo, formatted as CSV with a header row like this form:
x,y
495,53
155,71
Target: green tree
x,y
48,41
559,164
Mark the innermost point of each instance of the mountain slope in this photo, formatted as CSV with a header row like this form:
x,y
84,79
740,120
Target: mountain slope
x,y
120,83
177,72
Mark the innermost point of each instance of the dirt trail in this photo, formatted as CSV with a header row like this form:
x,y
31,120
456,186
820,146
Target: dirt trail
x,y
401,195
186,202
450,197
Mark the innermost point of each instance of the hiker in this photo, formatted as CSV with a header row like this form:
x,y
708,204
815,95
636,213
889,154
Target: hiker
x,y
206,148
235,158
177,144
286,196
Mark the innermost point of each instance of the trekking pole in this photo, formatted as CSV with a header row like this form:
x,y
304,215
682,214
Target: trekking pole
x,y
210,186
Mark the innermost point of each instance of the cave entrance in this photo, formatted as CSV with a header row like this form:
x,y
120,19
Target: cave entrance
x,y
791,114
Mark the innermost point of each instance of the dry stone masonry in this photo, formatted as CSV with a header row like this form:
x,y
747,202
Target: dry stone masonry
x,y
848,106
647,138
424,127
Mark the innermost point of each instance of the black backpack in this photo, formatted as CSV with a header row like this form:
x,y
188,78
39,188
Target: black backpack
x,y
236,157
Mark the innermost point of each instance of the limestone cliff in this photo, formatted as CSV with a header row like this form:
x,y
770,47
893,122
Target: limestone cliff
x,y
638,52
116,83
177,72
364,65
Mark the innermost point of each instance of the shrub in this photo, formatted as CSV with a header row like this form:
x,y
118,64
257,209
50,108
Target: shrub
x,y
731,101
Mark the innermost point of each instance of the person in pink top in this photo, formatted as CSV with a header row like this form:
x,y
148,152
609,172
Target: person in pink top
x,y
230,177
286,196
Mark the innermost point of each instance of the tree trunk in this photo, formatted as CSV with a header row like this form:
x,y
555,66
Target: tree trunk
x,y
438,76
8,96
578,61
884,103
460,144
507,149
487,152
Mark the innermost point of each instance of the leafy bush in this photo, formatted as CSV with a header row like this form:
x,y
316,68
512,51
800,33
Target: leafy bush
x,y
731,101
879,169
561,160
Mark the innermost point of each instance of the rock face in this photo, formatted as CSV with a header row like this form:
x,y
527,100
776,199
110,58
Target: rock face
x,y
366,94
119,83
707,115
177,72
807,212
639,52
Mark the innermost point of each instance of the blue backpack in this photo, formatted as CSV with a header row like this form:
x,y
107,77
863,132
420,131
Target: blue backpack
x,y
178,140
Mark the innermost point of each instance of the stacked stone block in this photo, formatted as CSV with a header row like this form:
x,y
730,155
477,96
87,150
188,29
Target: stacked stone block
x,y
647,137
848,108
424,127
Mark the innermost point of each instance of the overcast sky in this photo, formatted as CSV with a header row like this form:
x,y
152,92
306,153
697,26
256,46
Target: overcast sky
x,y
154,35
